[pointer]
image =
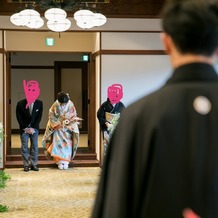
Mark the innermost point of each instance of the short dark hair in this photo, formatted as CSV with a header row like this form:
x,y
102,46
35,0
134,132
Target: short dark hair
x,y
192,25
62,97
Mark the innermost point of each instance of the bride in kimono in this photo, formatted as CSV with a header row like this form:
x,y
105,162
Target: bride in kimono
x,y
61,136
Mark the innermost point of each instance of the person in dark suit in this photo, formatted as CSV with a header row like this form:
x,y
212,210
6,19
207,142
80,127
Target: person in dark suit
x,y
162,160
29,119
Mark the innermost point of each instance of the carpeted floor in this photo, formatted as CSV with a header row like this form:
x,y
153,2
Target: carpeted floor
x,y
50,193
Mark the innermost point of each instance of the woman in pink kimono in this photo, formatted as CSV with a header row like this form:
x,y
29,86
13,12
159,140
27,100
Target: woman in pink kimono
x,y
61,137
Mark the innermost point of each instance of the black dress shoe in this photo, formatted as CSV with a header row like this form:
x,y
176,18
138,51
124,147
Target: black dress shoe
x,y
34,168
26,169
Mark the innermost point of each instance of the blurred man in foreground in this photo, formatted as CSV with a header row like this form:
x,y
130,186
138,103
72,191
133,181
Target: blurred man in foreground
x,y
162,161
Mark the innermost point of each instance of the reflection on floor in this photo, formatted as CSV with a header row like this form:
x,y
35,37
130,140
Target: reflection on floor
x,y
15,140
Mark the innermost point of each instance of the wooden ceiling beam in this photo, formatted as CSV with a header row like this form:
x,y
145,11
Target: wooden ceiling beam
x,y
113,9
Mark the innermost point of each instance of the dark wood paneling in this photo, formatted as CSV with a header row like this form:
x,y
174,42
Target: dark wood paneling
x,y
113,9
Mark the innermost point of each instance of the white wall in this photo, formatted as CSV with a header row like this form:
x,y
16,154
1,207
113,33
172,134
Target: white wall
x,y
131,41
138,74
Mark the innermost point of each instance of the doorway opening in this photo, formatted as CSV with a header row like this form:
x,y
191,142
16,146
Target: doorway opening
x,y
54,72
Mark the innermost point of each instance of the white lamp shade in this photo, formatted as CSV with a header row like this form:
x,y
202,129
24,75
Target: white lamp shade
x,y
29,15
99,19
85,25
59,26
84,16
55,14
57,19
16,20
35,24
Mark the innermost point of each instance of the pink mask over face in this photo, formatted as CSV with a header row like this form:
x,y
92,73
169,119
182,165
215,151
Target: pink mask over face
x,y
115,93
31,90
188,213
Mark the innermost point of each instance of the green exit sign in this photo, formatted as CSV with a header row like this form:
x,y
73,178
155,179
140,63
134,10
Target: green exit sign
x,y
85,57
50,41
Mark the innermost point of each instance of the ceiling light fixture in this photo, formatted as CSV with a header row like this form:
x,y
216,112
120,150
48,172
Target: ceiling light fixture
x,y
57,17
57,20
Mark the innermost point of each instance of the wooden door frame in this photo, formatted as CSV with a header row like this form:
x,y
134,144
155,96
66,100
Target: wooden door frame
x,y
87,95
8,103
58,66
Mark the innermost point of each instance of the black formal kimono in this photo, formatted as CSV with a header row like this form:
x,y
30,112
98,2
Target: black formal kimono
x,y
107,108
163,155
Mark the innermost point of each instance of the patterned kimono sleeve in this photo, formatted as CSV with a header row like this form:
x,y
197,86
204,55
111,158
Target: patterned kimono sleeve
x,y
54,117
